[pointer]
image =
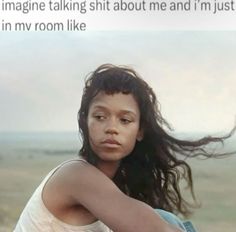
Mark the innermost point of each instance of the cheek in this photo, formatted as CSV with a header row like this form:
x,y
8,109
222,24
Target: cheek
x,y
132,136
91,125
94,129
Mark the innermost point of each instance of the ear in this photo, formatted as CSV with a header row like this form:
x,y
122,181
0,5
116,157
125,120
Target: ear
x,y
140,135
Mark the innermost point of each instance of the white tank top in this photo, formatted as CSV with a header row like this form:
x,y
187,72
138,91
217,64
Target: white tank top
x,y
36,217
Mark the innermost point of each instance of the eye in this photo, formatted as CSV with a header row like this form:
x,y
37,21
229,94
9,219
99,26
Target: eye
x,y
99,117
125,120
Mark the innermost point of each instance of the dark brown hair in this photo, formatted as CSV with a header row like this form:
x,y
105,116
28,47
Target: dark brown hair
x,y
153,170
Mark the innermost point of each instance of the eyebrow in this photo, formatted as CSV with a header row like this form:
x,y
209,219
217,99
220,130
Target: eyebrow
x,y
123,111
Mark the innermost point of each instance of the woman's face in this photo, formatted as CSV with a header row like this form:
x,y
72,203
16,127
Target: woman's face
x,y
113,125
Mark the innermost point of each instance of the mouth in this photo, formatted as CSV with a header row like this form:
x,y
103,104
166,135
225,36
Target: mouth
x,y
111,143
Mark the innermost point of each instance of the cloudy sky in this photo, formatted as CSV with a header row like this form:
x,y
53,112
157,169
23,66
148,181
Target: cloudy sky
x,y
192,73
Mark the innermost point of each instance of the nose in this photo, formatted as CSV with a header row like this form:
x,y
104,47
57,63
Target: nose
x,y
111,127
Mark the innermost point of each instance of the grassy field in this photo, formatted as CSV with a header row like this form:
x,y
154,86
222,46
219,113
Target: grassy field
x,y
215,187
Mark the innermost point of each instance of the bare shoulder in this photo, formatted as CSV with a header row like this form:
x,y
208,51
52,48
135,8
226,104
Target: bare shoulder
x,y
85,183
76,181
79,175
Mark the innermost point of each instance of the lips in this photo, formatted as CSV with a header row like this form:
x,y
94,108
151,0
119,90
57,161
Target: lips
x,y
111,143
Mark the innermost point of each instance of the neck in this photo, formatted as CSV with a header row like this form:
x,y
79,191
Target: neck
x,y
108,168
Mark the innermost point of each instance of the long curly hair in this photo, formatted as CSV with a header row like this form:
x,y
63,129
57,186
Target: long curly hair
x,y
154,169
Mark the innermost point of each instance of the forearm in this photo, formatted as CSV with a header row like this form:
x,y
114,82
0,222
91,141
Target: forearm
x,y
153,222
139,217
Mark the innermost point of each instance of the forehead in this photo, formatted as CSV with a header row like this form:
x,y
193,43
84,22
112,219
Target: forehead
x,y
117,101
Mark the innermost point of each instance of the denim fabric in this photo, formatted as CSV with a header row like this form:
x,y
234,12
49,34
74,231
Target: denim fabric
x,y
174,220
189,226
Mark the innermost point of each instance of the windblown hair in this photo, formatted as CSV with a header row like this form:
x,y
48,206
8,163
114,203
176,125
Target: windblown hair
x,y
153,170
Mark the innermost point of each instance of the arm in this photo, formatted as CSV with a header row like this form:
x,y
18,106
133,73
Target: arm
x,y
86,185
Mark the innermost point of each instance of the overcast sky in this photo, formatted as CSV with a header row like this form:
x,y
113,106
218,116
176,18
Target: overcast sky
x,y
192,73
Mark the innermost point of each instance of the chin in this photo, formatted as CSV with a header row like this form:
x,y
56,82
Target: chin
x,y
111,156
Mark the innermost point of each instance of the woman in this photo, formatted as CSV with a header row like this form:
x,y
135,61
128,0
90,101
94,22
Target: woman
x,y
128,165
